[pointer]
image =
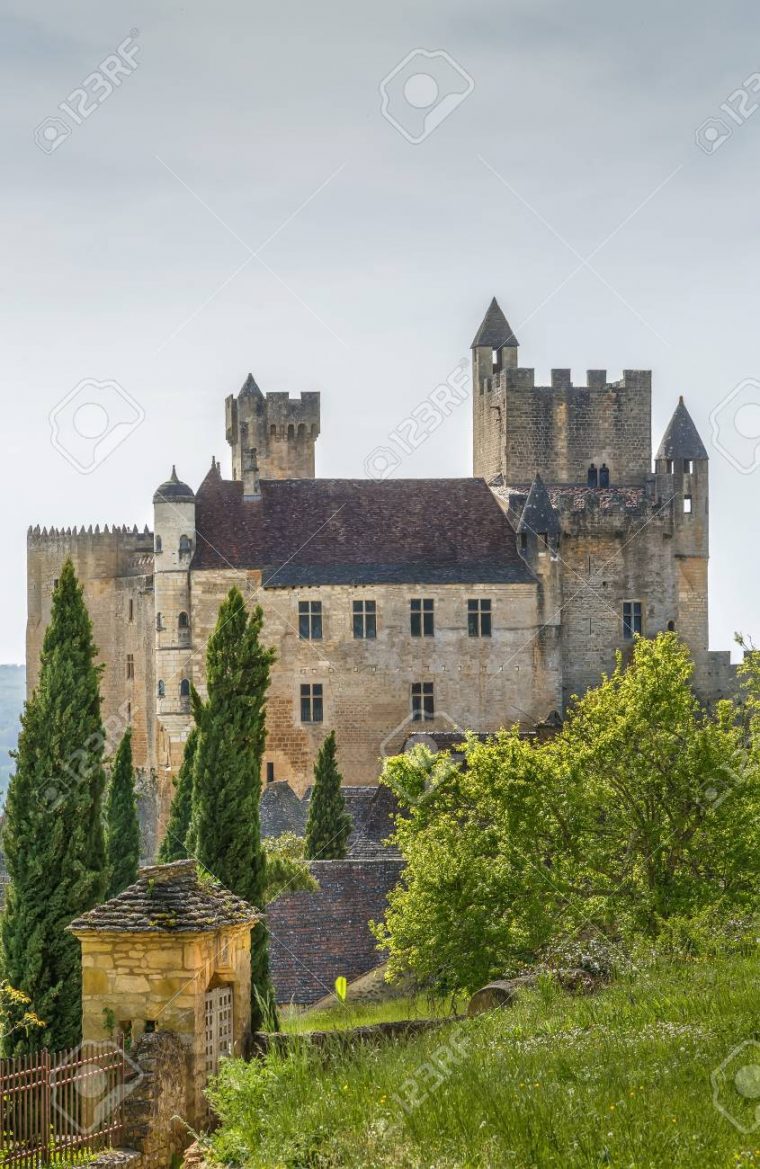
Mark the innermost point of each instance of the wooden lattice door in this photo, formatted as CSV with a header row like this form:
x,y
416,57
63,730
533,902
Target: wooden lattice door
x,y
218,1026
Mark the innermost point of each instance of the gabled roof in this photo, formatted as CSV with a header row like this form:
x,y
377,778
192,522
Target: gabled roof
x,y
495,330
168,899
538,515
681,439
358,531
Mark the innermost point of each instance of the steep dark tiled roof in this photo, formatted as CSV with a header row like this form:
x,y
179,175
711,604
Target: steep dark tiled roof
x,y
495,330
281,810
681,439
358,531
538,514
315,937
168,899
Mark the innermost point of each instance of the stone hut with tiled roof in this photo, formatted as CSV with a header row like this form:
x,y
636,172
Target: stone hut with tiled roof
x,y
170,953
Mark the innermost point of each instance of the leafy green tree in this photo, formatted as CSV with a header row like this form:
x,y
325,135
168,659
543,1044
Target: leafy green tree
x,y
174,846
225,826
645,808
286,868
53,837
122,824
329,824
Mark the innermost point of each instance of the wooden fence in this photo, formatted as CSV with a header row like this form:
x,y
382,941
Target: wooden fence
x,y
57,1107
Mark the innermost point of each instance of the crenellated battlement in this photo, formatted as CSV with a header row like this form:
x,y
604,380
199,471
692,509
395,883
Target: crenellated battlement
x,y
38,535
524,378
272,436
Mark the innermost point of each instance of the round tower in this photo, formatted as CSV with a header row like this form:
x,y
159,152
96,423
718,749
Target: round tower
x,y
174,528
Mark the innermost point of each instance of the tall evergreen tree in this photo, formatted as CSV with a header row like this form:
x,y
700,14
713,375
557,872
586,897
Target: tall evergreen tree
x,y
329,824
122,825
175,845
225,827
53,836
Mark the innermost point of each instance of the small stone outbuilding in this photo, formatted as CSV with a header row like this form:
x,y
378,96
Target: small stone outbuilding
x,y
170,953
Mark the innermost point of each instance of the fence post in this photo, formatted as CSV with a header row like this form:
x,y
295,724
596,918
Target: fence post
x,y
46,1110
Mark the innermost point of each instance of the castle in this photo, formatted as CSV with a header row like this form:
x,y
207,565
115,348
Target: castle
x,y
454,603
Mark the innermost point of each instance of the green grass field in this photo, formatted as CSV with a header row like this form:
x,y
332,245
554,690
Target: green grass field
x,y
620,1078
341,1016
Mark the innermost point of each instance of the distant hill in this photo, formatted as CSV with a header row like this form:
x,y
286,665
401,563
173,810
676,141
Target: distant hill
x,y
12,694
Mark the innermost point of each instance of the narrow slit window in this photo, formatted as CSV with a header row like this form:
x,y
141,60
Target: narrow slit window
x,y
687,505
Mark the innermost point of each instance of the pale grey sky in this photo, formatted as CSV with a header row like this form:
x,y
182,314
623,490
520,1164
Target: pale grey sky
x,y
131,251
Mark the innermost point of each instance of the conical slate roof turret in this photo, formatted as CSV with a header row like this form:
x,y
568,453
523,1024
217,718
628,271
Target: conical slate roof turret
x,y
249,386
681,439
174,491
538,515
495,330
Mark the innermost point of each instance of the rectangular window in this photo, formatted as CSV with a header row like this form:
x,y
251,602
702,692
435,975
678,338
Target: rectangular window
x,y
130,665
479,617
631,618
311,703
270,772
310,620
365,619
421,613
687,505
688,466
669,466
423,702
131,610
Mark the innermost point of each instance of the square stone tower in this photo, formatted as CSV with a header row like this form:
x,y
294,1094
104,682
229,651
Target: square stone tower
x,y
272,437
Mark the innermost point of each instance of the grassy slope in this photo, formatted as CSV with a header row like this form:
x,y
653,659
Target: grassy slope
x,y
621,1078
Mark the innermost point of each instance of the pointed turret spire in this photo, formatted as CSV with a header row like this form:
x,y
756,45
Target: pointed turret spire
x,y
538,515
249,386
495,330
681,439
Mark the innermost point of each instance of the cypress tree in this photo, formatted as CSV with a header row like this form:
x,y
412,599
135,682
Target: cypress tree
x,y
53,836
329,824
174,846
122,825
225,828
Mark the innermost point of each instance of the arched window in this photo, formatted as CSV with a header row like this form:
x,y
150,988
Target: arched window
x,y
301,431
184,688
185,546
291,431
161,690
273,430
183,621
157,543
604,475
671,626
592,477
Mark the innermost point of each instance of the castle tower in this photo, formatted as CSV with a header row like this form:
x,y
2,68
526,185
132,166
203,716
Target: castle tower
x,y
562,430
272,437
682,476
174,528
494,349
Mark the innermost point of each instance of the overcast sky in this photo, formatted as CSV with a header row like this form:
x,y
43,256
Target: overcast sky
x,y
239,201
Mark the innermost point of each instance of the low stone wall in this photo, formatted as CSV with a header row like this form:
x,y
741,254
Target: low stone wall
x,y
158,1110
372,1033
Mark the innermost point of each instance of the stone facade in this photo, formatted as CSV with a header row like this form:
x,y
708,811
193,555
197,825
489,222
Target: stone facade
x,y
620,546
152,955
